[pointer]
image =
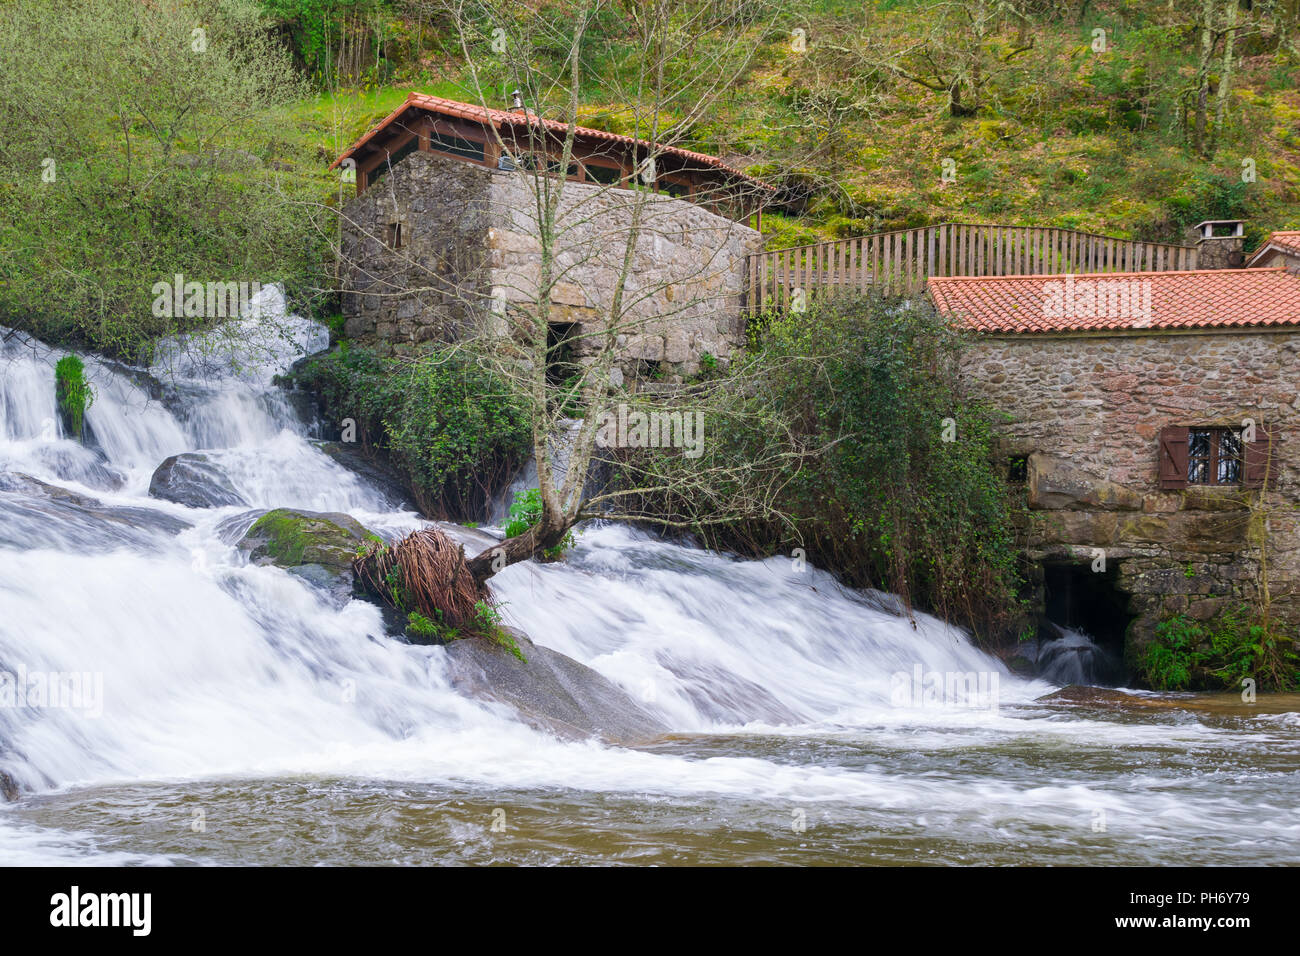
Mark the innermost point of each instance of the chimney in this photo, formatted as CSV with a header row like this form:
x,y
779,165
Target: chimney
x,y
517,101
1220,243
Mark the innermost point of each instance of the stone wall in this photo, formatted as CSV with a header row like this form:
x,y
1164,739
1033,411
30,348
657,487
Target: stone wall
x,y
1278,257
433,286
471,248
1087,412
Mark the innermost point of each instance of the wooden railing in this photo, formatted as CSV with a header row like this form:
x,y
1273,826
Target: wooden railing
x,y
902,261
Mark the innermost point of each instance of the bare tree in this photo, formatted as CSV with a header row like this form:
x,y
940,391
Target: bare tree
x,y
677,59
1222,27
962,53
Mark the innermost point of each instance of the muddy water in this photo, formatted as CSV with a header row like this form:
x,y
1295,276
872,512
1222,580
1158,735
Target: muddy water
x,y
1206,780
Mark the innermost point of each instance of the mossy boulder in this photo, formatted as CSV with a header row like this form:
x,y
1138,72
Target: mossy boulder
x,y
318,547
289,538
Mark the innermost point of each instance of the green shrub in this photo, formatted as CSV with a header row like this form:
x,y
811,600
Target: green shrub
x,y
450,427
72,391
1220,653
868,387
1168,660
432,629
487,622
526,511
421,626
174,177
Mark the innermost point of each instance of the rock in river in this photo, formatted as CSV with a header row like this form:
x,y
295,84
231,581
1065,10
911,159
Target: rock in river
x,y
549,690
192,479
318,547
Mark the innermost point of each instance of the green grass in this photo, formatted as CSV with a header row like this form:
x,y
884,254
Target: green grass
x,y
73,393
1067,137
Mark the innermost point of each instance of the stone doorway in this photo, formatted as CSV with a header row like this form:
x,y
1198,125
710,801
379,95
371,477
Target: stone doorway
x,y
1080,601
561,364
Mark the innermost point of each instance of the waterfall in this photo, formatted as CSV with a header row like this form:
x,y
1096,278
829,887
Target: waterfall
x,y
1076,658
141,654
212,666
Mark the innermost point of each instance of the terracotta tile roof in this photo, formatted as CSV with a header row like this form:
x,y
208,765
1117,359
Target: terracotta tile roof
x,y
1208,298
1286,239
499,118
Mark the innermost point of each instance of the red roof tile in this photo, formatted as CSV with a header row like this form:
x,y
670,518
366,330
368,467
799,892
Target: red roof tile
x,y
1108,301
498,118
1286,239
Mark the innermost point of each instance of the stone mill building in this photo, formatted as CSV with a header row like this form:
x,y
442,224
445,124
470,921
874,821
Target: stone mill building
x,y
442,237
1154,433
1152,417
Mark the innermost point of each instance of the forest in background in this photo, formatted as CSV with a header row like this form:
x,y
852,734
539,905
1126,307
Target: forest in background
x,y
1132,118
139,141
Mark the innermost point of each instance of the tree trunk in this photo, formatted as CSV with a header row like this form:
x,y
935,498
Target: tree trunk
x,y
547,533
1203,77
1225,77
956,107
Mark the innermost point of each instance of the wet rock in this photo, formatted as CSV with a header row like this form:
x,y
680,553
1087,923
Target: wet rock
x,y
335,585
1224,704
371,468
25,484
549,691
1021,665
724,696
317,547
71,462
1111,699
288,538
232,530
304,406
36,514
193,480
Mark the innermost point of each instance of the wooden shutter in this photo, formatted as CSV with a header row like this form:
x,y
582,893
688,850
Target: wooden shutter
x,y
1173,456
1261,461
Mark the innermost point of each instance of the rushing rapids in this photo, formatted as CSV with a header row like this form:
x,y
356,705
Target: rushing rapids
x,y
224,712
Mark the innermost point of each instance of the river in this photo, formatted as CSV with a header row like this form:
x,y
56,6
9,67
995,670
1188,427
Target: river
x,y
231,713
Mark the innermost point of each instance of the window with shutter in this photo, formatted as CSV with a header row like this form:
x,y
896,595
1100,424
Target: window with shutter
x,y
1173,456
1214,456
1190,455
1261,460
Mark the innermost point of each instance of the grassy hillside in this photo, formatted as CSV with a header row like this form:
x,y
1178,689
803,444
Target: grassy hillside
x,y
1062,129
136,146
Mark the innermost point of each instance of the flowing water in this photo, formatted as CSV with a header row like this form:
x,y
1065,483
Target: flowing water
x,y
228,713
1075,658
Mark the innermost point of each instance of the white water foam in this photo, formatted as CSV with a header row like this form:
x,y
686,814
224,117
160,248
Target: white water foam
x,y
214,668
